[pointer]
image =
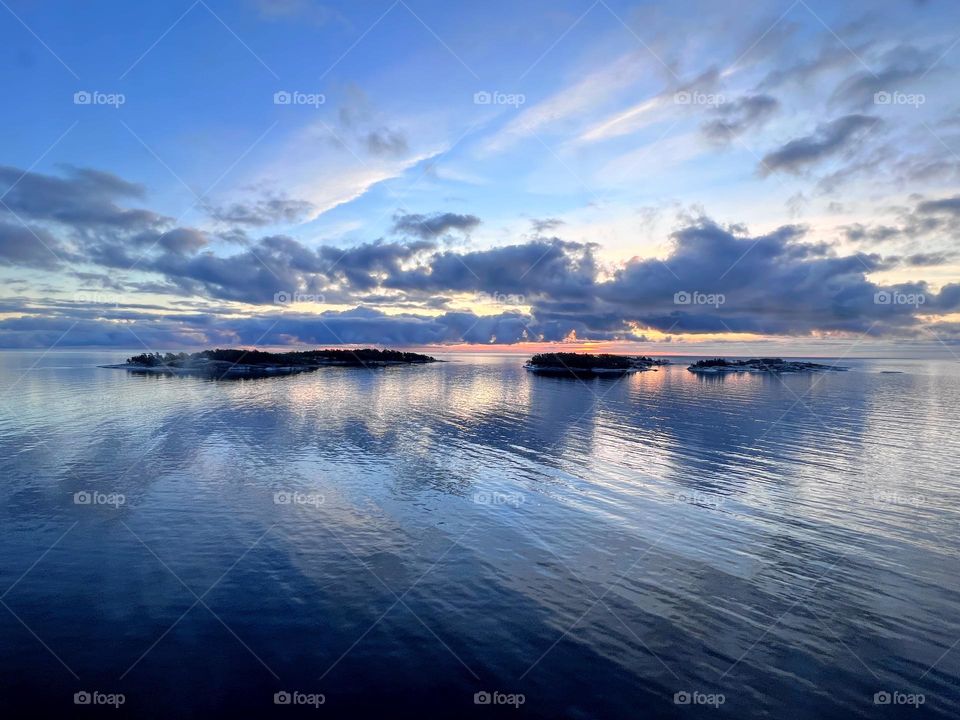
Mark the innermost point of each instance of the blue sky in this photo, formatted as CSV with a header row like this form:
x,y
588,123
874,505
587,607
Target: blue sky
x,y
664,176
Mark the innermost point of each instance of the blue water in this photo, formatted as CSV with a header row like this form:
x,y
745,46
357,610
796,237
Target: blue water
x,y
398,540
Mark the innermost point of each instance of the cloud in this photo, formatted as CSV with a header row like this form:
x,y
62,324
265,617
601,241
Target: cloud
x,y
773,284
861,233
262,211
83,198
361,267
386,142
634,118
736,118
432,226
179,241
77,217
591,90
23,247
86,324
932,222
830,56
946,206
901,66
929,259
829,139
540,267
357,120
778,283
361,148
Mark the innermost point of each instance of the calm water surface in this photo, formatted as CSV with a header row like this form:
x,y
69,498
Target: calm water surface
x,y
399,540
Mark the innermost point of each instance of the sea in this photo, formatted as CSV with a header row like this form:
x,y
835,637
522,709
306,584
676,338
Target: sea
x,y
468,539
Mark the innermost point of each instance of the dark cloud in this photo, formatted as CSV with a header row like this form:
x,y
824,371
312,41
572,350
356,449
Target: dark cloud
x,y
830,56
360,124
900,67
262,211
776,284
83,198
545,225
733,119
361,266
97,326
947,206
779,283
432,226
931,221
179,241
23,247
384,142
828,140
706,82
929,259
860,233
275,264
100,280
543,267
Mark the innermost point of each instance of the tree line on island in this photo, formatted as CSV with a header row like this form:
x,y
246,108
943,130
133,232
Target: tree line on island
x,y
582,361
283,359
231,363
578,365
764,365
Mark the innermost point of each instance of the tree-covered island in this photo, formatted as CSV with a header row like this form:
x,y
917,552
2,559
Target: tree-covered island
x,y
232,363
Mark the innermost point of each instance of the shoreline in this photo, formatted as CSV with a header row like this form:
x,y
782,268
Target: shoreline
x,y
229,363
763,366
229,371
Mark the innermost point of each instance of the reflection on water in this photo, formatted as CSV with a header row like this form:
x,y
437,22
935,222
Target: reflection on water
x,y
401,539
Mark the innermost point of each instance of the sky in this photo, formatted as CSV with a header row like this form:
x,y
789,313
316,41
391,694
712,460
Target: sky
x,y
657,177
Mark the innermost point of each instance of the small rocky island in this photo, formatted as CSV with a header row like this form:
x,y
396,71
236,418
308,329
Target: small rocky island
x,y
232,364
757,365
567,364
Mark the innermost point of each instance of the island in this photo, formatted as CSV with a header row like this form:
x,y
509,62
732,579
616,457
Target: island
x,y
232,364
568,364
758,365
